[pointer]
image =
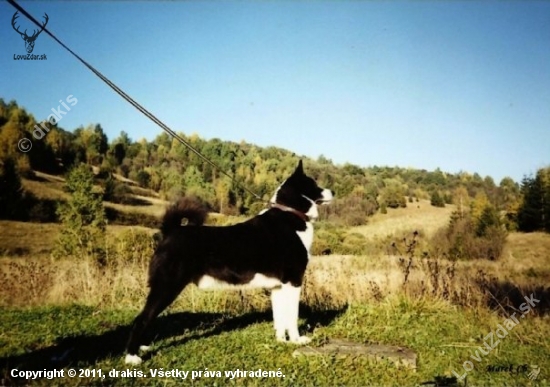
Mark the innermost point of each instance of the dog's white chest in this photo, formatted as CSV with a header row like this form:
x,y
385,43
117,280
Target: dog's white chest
x,y
306,236
259,281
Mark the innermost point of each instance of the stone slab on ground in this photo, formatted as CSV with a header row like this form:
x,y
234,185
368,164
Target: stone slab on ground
x,y
400,356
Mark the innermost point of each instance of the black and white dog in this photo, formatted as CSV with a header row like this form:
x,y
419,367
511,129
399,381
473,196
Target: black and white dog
x,y
270,250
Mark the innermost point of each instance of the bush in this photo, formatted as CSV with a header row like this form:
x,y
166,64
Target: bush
x,y
395,201
349,211
353,244
333,239
143,179
328,239
131,247
493,243
117,192
436,200
394,195
121,193
464,238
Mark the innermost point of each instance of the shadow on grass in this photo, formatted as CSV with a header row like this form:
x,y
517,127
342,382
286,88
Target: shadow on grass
x,y
507,295
86,350
131,218
134,201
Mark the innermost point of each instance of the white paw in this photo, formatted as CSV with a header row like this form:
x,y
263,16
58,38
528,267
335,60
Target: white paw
x,y
132,359
281,339
300,340
280,335
144,348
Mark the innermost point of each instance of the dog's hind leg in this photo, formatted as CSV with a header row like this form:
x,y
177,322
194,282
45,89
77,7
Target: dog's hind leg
x,y
159,298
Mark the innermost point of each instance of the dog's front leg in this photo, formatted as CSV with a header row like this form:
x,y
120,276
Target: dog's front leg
x,y
292,305
286,301
278,306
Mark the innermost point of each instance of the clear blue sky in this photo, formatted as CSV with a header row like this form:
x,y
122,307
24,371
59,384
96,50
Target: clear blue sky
x,y
459,85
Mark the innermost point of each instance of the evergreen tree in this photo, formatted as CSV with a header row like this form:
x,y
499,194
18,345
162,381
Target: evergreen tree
x,y
11,194
534,213
109,188
82,216
489,218
530,212
118,152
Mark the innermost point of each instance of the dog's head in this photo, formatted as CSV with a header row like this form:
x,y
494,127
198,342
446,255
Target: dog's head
x,y
301,193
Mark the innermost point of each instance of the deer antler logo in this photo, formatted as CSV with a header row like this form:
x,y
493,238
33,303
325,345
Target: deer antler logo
x,y
29,40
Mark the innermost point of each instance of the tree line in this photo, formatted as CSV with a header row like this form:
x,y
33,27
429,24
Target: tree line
x,y
170,169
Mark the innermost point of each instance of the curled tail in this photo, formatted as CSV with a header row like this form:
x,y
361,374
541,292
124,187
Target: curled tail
x,y
189,208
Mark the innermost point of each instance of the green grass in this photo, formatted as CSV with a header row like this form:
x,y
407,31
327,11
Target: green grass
x,y
443,336
79,314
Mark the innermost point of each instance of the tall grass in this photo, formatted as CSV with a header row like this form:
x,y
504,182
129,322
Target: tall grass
x,y
330,281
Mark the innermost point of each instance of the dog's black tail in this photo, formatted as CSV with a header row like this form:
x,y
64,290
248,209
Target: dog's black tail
x,y
189,208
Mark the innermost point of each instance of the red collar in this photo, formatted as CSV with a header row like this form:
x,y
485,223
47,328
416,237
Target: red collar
x,y
282,207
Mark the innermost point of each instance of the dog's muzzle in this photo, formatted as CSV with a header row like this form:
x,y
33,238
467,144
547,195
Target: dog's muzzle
x,y
326,197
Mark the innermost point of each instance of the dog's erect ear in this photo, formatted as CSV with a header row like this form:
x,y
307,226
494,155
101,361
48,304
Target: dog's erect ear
x,y
299,169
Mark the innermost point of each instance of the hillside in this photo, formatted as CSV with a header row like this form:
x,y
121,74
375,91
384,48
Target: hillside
x,y
163,168
74,310
78,313
420,215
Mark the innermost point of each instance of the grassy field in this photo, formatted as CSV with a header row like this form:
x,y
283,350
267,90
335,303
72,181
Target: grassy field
x,y
71,314
443,336
416,216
